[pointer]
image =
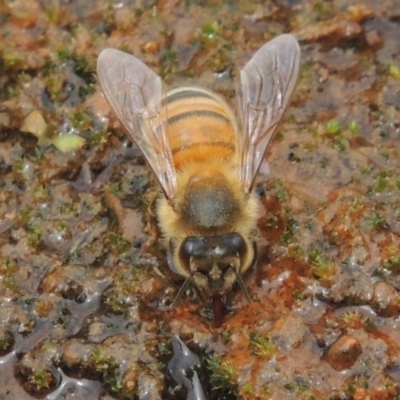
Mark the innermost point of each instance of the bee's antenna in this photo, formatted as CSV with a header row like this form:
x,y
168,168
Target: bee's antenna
x,y
241,284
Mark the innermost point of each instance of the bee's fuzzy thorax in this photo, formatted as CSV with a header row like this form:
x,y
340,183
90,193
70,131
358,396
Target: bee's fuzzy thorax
x,y
242,207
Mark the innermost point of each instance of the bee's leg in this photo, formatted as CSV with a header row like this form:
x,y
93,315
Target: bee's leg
x,y
181,292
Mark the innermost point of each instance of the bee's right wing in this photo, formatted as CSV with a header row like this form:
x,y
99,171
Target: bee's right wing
x,y
135,94
266,84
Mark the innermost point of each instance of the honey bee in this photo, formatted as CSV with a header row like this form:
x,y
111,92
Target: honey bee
x,y
205,159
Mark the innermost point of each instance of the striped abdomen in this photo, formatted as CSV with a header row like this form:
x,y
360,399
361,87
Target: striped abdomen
x,y
200,126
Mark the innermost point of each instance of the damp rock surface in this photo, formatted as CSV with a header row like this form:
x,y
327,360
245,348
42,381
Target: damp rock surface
x,y
84,282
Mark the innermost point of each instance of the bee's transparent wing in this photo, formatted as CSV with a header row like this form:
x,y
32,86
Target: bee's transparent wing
x,y
135,93
266,84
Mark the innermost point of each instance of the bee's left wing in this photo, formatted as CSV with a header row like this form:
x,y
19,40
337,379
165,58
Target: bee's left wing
x,y
135,94
266,84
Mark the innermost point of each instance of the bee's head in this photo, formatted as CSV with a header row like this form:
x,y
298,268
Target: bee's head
x,y
213,264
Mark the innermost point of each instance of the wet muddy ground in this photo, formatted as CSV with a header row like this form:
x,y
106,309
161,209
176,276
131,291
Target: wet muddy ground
x,y
83,273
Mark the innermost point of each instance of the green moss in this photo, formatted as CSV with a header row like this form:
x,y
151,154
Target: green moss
x,y
207,312
101,361
164,346
322,266
115,188
376,221
394,70
175,392
34,236
81,121
267,391
11,60
354,127
382,181
290,387
290,230
281,191
85,68
248,387
54,14
69,209
333,127
5,341
25,214
353,319
307,75
209,32
296,252
8,266
169,55
388,383
27,327
369,325
9,282
55,86
223,379
40,192
299,295
63,54
99,138
83,65
393,262
24,78
41,379
115,302
279,136
168,64
262,346
385,155
18,165
322,10
356,203
339,145
114,381
355,383
226,336
118,243
87,90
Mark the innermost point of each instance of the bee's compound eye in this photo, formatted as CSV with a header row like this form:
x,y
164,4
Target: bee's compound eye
x,y
192,246
234,242
212,246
